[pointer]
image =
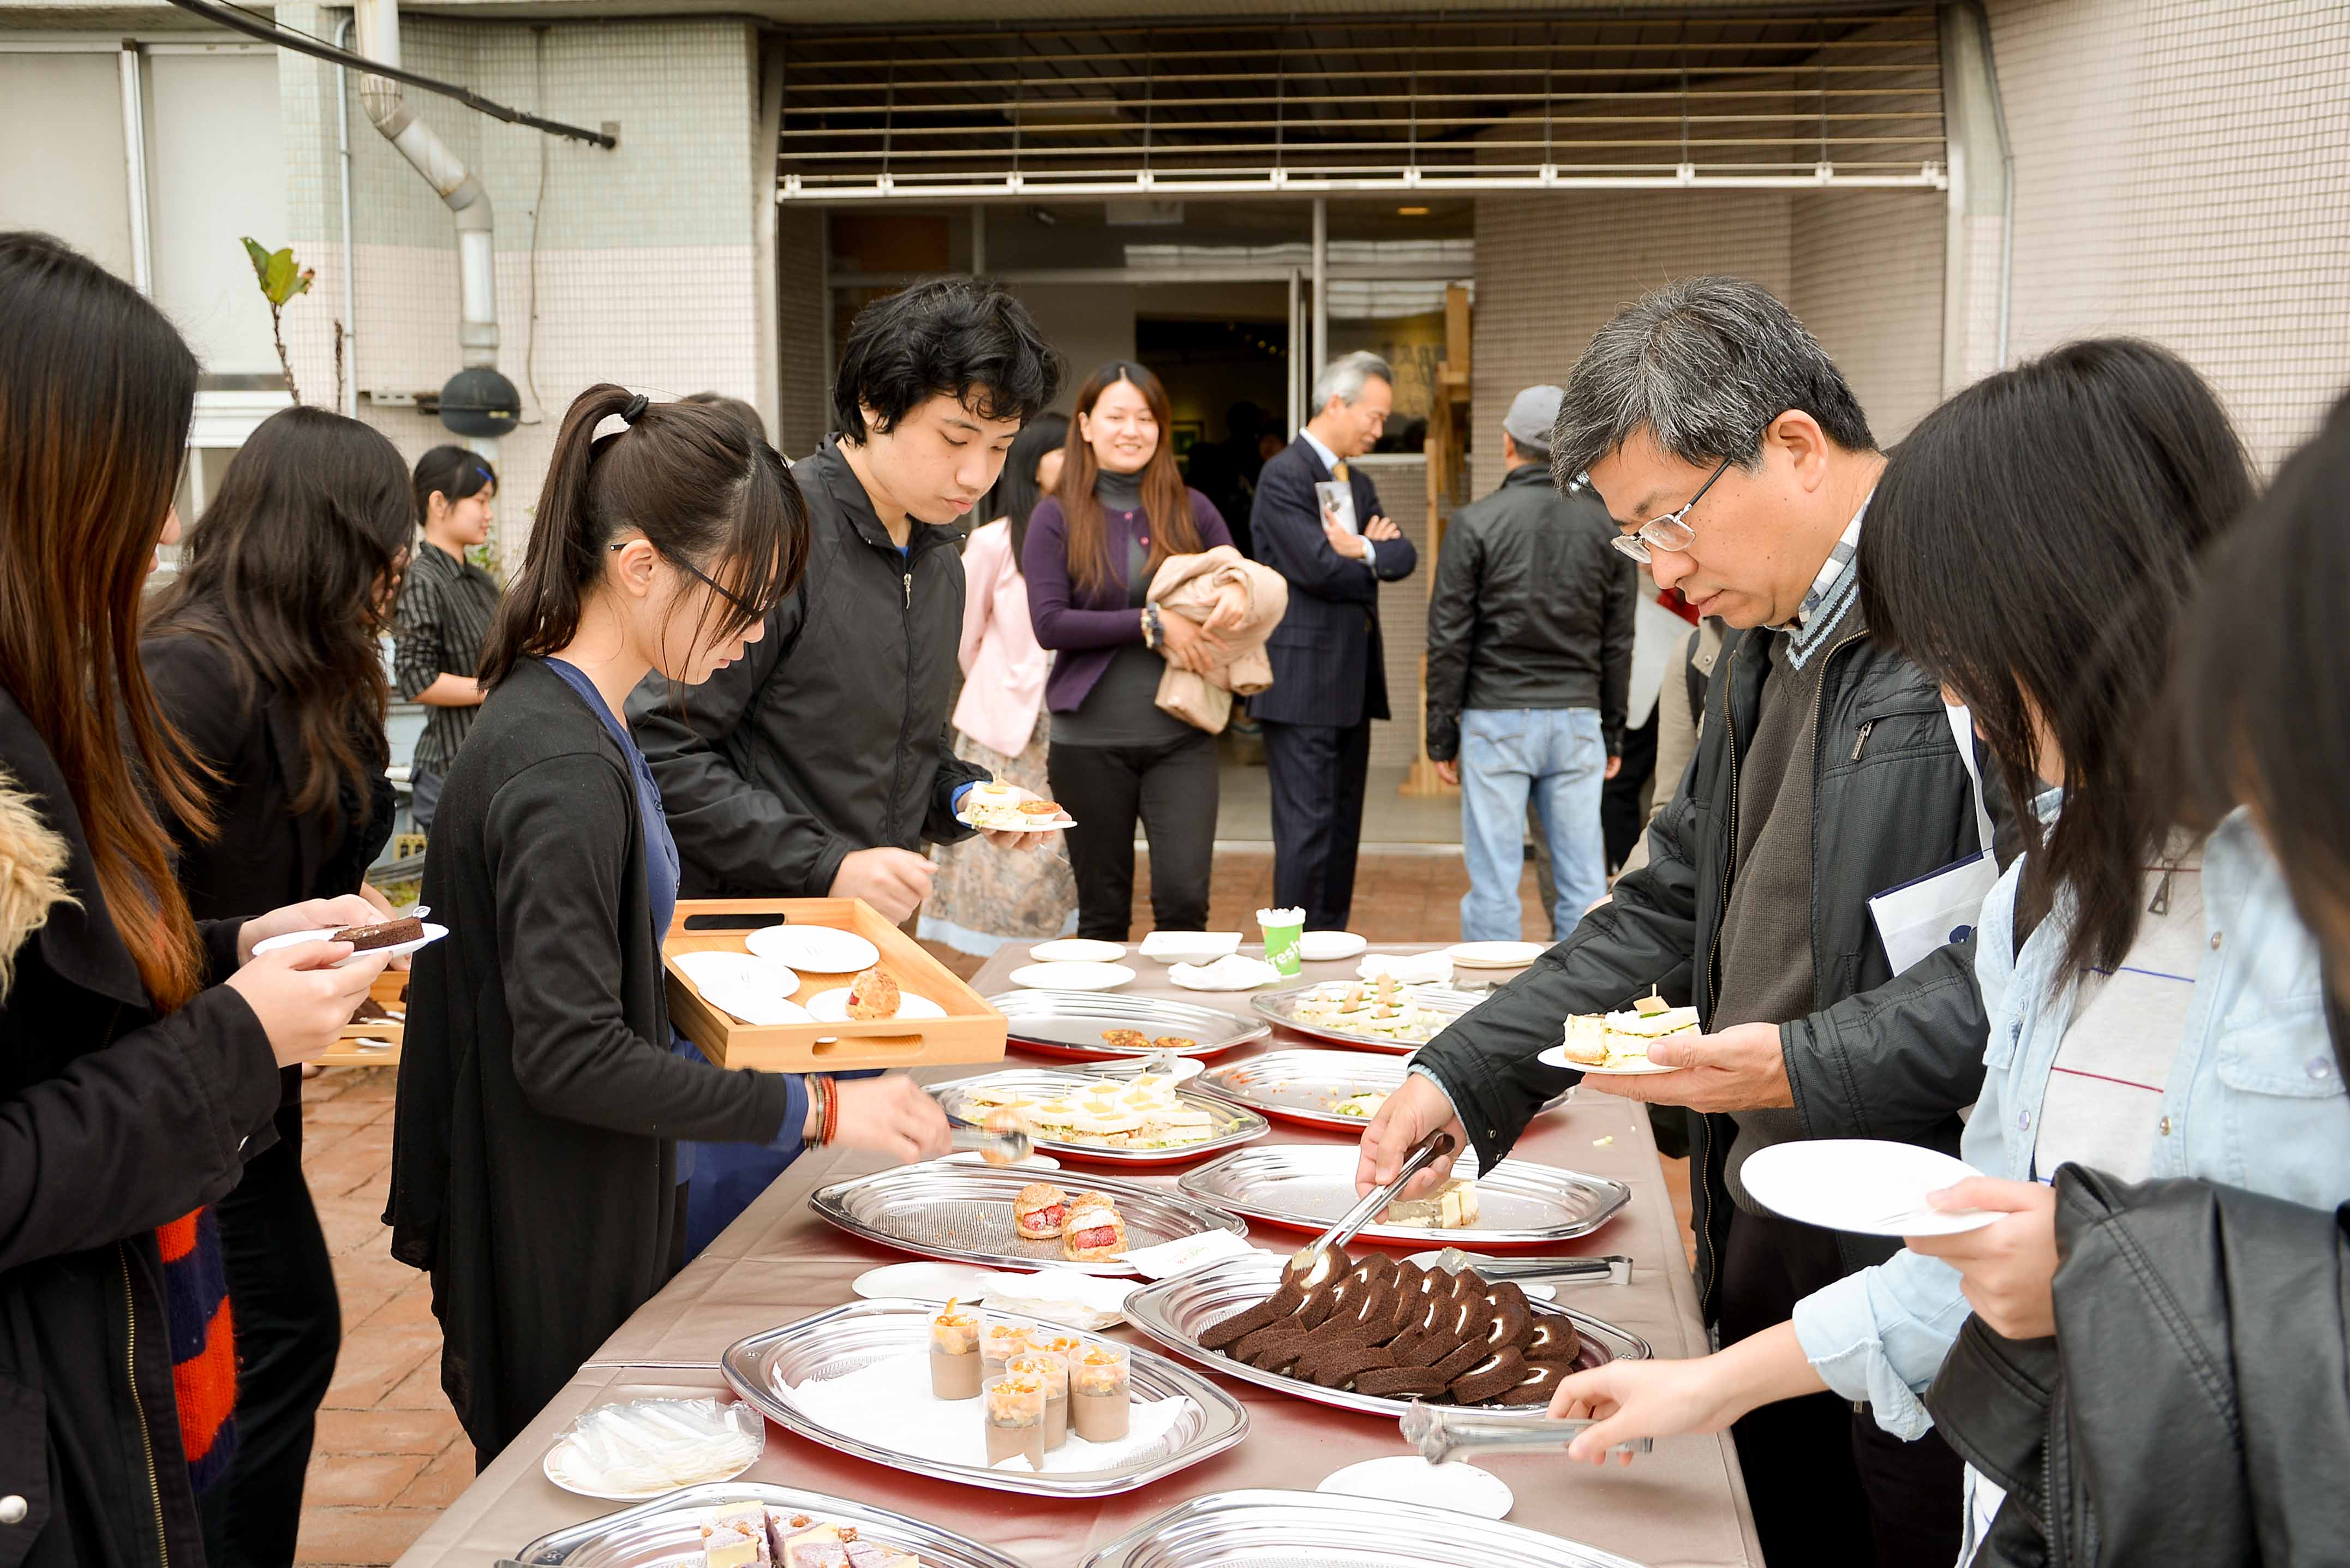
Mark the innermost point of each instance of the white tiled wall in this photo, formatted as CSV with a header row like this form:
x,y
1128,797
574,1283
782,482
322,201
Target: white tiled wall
x,y
1865,274
2183,173
640,267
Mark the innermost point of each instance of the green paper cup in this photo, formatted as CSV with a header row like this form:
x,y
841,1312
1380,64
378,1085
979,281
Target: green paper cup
x,y
1281,928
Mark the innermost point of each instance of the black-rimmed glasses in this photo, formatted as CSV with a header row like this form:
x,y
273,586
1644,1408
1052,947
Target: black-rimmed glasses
x,y
721,590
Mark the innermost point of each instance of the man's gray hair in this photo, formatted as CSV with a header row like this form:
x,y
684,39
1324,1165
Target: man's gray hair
x,y
1343,377
1703,364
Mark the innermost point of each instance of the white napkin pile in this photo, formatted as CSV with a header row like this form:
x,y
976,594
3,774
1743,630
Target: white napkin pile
x,y
1234,972
1411,968
1187,1253
889,1404
1081,1301
650,1446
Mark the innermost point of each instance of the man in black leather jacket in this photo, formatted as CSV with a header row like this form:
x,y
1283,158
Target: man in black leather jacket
x,y
1827,773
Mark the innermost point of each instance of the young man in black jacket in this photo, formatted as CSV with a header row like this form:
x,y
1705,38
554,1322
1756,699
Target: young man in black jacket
x,y
1730,452
821,762
1529,662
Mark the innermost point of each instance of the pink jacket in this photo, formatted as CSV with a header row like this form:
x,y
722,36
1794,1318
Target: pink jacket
x,y
1004,670
1188,585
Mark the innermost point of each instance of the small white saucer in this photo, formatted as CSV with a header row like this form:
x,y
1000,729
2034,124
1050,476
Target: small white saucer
x,y
925,1282
1407,1477
1329,947
1632,1067
819,950
1077,949
1072,976
432,934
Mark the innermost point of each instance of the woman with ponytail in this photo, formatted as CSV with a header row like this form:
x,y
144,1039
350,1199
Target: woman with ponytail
x,y
536,1165
140,1049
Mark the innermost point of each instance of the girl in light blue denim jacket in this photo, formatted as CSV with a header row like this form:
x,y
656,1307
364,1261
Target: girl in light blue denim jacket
x,y
2164,1014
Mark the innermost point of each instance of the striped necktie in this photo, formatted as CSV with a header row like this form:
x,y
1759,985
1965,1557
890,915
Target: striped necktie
x,y
1338,469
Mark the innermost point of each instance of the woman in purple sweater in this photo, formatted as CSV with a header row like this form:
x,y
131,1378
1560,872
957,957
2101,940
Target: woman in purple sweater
x,y
1094,545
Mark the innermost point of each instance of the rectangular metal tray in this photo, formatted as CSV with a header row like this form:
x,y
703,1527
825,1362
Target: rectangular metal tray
x,y
667,1532
1280,1007
1236,1124
847,1338
1301,1086
1070,1024
1308,1186
1175,1311
963,1213
1297,1529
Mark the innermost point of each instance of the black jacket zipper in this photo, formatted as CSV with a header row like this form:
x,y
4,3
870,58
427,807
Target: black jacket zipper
x,y
139,1406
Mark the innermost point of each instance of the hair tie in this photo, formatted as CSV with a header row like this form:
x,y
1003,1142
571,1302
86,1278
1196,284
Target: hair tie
x,y
633,409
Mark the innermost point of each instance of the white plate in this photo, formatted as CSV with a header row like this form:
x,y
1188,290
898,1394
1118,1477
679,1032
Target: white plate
x,y
1866,1186
1637,1068
819,948
1190,947
432,934
1328,947
1494,955
1060,824
755,1008
1077,949
832,1007
1072,976
1182,1070
925,1282
1407,1477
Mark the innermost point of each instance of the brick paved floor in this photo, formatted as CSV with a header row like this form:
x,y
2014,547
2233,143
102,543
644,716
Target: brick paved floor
x,y
390,1455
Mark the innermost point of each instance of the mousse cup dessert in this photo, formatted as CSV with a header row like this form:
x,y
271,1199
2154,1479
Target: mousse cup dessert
x,y
1100,1388
999,1343
1055,1372
1014,1415
954,1354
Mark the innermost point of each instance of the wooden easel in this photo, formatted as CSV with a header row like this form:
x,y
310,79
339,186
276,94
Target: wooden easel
x,y
1448,462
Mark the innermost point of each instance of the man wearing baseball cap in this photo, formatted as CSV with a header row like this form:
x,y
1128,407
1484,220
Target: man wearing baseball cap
x,y
1529,656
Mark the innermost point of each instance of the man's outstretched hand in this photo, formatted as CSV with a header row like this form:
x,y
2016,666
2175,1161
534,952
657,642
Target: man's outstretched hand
x,y
1410,1114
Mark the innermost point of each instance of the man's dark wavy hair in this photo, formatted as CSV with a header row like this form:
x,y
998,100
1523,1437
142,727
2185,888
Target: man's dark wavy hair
x,y
966,337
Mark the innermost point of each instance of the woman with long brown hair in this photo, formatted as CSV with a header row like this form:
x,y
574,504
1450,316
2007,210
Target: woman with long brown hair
x,y
1092,547
536,1170
266,657
137,1060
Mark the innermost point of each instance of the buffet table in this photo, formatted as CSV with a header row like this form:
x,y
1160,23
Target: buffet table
x,y
1684,1504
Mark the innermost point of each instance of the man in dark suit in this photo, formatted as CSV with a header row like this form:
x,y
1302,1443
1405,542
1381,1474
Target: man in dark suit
x,y
1328,678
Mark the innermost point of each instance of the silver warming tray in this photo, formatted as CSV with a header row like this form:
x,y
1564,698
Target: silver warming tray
x,y
1280,1007
667,1532
1175,1311
763,1367
1317,1530
1070,1024
1235,1125
1307,1186
1303,1085
963,1213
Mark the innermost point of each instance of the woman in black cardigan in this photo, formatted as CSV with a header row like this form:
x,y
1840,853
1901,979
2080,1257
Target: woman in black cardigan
x,y
542,1092
265,658
129,1092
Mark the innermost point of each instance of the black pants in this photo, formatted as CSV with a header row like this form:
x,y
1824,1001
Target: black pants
x,y
1171,787
1622,817
1829,1484
281,1288
1316,773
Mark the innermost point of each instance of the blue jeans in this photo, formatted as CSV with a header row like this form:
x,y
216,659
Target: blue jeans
x,y
1557,756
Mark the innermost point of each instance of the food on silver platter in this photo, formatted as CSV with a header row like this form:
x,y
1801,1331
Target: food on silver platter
x,y
1174,1043
1125,1039
954,1354
1145,1114
1383,1007
1094,1232
388,934
1618,1039
1396,1330
1365,1104
873,994
744,1534
1039,1210
1451,1207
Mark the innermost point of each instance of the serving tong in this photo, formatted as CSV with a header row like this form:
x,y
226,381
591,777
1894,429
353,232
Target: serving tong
x,y
1442,1434
1302,1264
996,1146
1615,1269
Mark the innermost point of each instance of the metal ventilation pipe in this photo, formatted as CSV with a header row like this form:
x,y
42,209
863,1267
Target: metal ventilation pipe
x,y
476,402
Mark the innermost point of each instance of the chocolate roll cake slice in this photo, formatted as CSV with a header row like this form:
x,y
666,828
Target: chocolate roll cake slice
x,y
1541,1381
1454,1323
1278,1352
1336,1370
1462,1358
1553,1339
1491,1378
1399,1382
1319,1302
1240,1326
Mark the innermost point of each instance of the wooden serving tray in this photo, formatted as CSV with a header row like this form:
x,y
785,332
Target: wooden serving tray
x,y
971,1032
390,990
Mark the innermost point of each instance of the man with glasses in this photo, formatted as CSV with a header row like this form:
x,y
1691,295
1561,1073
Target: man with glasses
x,y
1734,459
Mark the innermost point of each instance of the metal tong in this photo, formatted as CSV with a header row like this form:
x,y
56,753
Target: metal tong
x,y
1442,1434
1613,1269
996,1146
1436,1146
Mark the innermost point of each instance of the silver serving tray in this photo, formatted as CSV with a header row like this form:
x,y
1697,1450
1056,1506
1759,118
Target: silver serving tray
x,y
1175,1311
1236,1124
849,1337
1070,1024
1301,1086
1281,1006
1309,1187
667,1532
963,1213
1294,1529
